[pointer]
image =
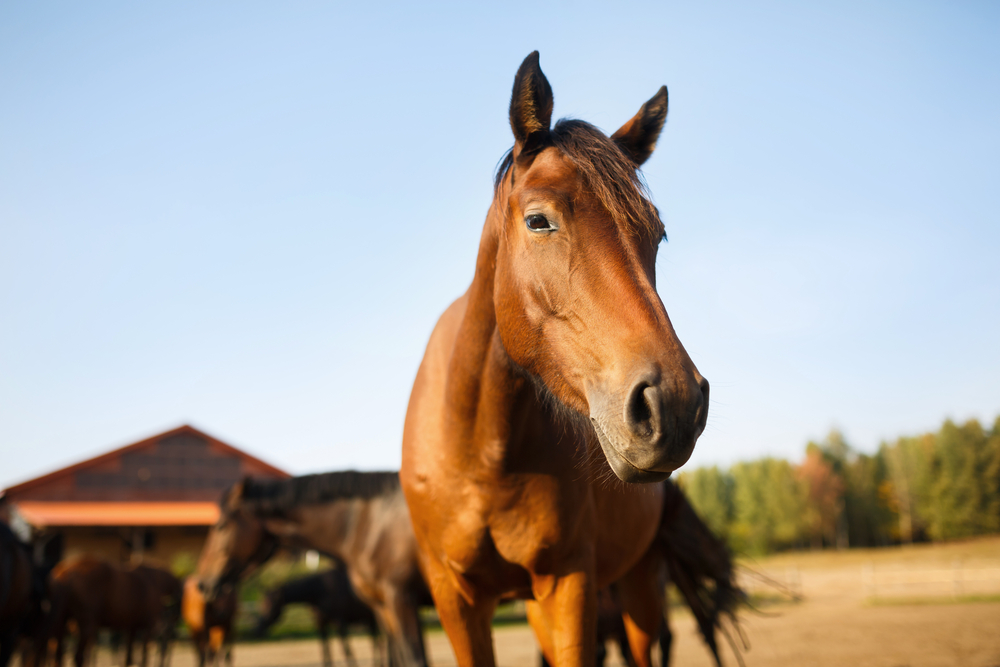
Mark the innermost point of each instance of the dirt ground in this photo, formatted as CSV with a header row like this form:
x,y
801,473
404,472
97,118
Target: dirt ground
x,y
837,623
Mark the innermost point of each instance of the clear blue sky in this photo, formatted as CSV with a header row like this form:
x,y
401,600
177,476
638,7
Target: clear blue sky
x,y
248,217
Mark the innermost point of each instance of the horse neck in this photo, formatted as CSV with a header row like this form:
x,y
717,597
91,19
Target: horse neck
x,y
483,384
327,527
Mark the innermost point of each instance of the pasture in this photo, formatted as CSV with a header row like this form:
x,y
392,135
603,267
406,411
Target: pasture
x,y
836,623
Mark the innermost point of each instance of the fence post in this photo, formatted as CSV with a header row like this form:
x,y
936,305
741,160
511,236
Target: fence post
x,y
956,578
868,580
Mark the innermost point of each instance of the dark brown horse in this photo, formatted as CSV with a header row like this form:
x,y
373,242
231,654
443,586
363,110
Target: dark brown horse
x,y
210,624
20,593
168,590
333,602
358,518
556,372
96,594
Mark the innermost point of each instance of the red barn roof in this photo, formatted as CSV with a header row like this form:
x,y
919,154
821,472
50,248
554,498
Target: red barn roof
x,y
174,478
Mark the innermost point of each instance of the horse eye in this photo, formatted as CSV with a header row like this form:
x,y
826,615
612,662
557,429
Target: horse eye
x,y
538,223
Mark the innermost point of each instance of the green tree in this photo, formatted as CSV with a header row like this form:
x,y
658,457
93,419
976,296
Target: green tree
x,y
870,521
962,499
907,488
769,504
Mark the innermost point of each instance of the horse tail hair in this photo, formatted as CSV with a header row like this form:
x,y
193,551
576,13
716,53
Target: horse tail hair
x,y
701,566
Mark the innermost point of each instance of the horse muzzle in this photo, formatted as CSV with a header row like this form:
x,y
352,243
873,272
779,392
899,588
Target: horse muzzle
x,y
650,429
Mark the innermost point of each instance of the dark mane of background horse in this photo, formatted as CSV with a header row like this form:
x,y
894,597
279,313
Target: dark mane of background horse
x,y
278,497
609,173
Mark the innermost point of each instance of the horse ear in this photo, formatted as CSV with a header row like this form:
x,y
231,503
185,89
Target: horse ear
x,y
530,106
235,495
637,138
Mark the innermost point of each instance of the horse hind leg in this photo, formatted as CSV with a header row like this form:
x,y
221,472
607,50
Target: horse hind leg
x,y
346,644
84,642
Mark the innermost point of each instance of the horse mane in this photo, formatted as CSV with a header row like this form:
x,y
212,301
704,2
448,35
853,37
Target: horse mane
x,y
611,176
276,497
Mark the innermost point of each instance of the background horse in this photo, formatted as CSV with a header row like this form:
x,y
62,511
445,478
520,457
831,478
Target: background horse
x,y
556,372
96,594
333,601
21,592
210,623
167,588
357,518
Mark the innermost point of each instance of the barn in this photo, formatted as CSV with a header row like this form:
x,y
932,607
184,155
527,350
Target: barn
x,y
154,499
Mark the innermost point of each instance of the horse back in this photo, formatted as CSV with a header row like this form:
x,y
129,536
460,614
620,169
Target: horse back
x,y
95,592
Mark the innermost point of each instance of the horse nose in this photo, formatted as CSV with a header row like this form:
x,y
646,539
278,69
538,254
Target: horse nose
x,y
642,410
644,416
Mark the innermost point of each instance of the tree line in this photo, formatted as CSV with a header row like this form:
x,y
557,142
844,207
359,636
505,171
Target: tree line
x,y
936,486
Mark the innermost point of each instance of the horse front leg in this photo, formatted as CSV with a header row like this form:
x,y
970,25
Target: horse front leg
x,y
467,624
346,644
145,638
566,613
322,626
400,618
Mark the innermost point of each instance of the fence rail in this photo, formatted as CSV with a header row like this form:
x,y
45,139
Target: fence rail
x,y
958,580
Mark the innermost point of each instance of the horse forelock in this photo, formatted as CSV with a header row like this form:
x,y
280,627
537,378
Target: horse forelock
x,y
275,497
608,173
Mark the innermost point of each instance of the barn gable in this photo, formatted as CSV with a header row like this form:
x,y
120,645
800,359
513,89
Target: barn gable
x,y
184,464
152,499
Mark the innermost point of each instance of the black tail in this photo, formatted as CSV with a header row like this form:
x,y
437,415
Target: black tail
x,y
701,567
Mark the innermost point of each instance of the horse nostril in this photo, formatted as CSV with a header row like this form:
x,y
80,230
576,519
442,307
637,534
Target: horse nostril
x,y
642,410
703,407
201,587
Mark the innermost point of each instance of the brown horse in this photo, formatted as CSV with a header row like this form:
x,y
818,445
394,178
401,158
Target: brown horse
x,y
558,351
167,588
210,624
358,518
96,594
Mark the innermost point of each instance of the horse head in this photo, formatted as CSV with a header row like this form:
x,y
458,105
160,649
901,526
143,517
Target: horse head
x,y
575,284
238,543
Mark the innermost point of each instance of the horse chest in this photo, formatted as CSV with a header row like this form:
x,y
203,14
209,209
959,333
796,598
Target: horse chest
x,y
499,538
